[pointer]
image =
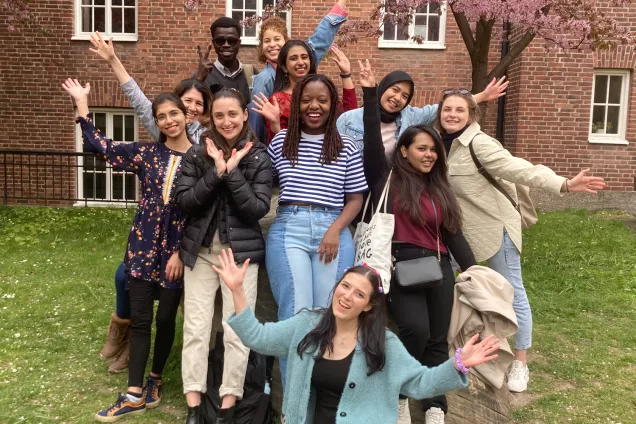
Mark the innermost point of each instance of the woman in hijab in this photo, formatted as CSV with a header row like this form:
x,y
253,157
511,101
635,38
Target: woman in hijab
x,y
395,92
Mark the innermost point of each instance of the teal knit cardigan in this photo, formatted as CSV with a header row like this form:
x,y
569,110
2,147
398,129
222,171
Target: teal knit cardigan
x,y
365,399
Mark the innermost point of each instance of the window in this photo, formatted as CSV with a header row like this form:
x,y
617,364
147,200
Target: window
x,y
112,18
428,24
96,179
610,95
241,9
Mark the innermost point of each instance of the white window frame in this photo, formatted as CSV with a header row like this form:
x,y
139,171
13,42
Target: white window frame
x,y
410,44
620,137
80,163
253,41
78,34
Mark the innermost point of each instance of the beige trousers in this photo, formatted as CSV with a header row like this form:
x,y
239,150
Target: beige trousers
x,y
201,285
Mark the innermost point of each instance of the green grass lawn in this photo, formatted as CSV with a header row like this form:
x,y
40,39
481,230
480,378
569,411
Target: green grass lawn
x,y
57,293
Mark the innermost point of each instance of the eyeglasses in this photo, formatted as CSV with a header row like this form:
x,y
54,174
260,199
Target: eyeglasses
x,y
220,41
173,114
451,91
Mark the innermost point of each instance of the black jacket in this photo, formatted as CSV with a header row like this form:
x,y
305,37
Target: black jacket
x,y
242,197
376,171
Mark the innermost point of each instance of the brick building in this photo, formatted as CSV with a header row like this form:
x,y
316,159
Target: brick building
x,y
565,111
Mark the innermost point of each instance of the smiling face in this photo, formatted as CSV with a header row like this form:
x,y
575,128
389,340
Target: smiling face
x,y
395,97
273,41
297,63
454,114
351,297
315,105
421,154
193,101
170,119
227,42
228,117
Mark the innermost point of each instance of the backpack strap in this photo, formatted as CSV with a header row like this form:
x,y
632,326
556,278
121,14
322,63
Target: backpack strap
x,y
249,74
491,180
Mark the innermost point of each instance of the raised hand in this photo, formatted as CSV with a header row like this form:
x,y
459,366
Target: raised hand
x,y
367,78
493,91
205,64
269,110
237,156
477,353
216,155
75,89
231,274
341,60
103,49
585,184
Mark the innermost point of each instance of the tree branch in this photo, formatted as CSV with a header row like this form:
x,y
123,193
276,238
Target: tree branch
x,y
466,32
515,51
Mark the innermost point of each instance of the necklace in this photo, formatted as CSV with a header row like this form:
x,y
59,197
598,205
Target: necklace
x,y
346,336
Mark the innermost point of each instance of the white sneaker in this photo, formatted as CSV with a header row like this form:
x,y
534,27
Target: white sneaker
x,y
404,414
434,416
518,377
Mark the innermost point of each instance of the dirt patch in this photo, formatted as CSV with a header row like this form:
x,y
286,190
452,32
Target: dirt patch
x,y
519,400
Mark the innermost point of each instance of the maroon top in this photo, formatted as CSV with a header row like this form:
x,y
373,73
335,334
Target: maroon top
x,y
408,231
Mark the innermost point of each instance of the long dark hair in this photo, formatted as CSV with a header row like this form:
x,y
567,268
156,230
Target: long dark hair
x,y
410,183
168,97
371,325
218,139
188,84
281,82
332,144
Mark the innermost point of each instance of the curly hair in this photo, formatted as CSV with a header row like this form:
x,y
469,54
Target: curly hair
x,y
332,144
274,23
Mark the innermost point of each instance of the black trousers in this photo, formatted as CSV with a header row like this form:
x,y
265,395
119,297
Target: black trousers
x,y
142,297
423,317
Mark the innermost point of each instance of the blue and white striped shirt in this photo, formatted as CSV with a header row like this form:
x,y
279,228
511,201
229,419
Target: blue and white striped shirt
x,y
312,182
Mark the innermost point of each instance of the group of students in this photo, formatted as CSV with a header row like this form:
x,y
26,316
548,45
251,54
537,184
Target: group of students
x,y
206,182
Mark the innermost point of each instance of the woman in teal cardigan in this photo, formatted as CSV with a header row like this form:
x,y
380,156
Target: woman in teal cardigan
x,y
343,365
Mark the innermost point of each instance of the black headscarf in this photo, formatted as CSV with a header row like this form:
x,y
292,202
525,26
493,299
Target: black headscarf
x,y
390,79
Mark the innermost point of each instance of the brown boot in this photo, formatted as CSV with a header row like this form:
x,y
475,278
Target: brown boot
x,y
121,362
117,330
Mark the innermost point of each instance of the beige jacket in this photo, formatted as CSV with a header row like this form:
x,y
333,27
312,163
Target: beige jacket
x,y
486,211
483,304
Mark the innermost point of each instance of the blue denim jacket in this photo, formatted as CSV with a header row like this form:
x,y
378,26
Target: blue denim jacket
x,y
263,82
350,123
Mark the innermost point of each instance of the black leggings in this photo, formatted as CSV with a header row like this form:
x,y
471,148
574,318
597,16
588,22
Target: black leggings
x,y
423,317
142,297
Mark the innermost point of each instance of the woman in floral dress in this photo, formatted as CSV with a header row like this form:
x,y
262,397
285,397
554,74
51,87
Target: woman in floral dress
x,y
152,255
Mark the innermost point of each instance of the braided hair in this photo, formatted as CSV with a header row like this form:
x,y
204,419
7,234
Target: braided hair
x,y
332,143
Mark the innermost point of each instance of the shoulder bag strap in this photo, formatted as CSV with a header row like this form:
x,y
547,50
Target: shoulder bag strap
x,y
489,177
439,254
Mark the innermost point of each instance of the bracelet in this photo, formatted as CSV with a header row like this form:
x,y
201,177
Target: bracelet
x,y
458,362
343,76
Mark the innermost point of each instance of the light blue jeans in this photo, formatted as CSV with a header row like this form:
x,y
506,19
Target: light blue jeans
x,y
507,262
297,277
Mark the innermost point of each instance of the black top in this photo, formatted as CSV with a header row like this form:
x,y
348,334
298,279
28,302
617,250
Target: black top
x,y
376,171
328,379
216,79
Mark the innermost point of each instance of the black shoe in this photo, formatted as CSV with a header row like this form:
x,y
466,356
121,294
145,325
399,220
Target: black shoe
x,y
194,415
226,416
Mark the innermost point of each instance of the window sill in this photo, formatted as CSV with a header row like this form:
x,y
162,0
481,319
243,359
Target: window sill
x,y
105,204
608,140
249,41
412,46
86,37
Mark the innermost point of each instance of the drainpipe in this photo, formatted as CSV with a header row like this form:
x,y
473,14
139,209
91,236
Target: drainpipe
x,y
501,106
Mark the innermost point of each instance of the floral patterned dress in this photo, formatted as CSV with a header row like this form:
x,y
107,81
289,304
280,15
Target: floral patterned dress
x,y
156,230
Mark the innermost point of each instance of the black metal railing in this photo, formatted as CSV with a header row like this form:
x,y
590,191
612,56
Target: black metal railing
x,y
63,179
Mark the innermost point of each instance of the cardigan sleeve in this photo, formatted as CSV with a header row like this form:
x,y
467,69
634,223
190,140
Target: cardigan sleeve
x,y
422,382
459,247
272,338
500,163
142,107
349,99
374,158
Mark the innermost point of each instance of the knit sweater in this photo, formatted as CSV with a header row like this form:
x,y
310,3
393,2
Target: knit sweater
x,y
366,399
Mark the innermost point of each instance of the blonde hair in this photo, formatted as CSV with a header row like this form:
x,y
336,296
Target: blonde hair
x,y
473,107
274,23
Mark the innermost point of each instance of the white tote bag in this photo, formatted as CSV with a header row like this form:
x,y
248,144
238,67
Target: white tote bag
x,y
373,240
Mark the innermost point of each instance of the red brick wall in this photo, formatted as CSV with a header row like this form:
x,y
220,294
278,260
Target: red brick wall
x,y
549,96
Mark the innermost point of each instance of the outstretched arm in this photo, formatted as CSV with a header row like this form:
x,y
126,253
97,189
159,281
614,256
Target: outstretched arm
x,y
326,31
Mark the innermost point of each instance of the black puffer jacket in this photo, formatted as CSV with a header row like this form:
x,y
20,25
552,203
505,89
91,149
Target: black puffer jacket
x,y
242,196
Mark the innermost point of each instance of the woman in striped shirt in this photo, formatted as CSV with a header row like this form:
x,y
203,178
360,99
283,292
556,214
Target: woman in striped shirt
x,y
321,186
